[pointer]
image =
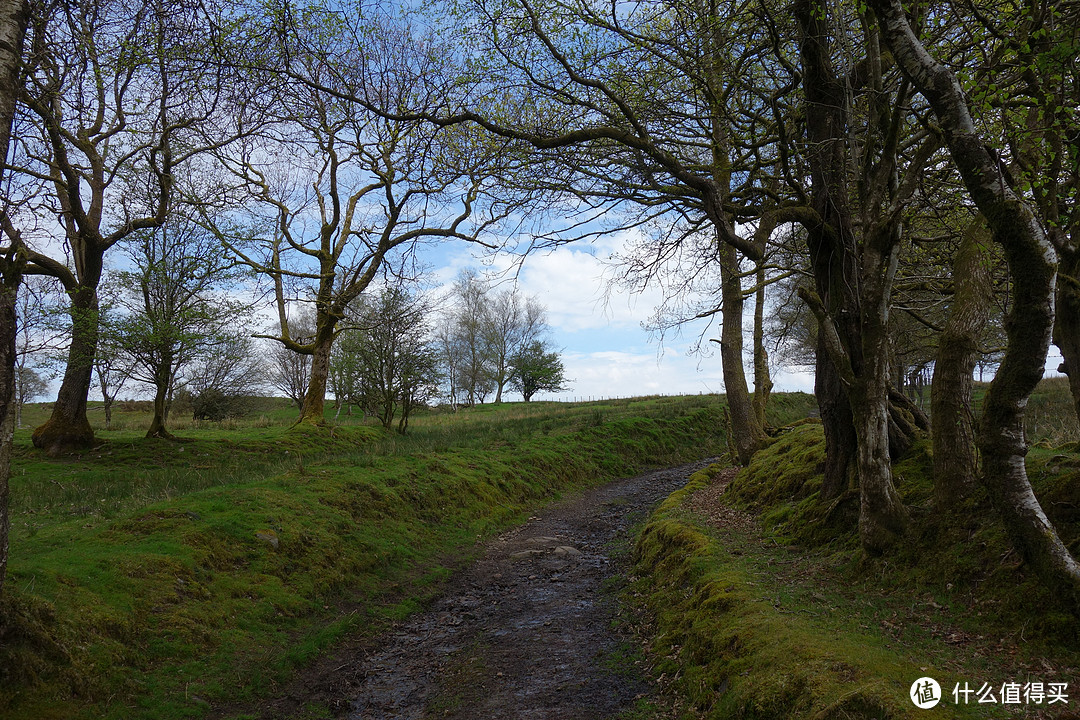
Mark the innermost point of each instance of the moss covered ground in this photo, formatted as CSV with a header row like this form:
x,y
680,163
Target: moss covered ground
x,y
154,579
764,606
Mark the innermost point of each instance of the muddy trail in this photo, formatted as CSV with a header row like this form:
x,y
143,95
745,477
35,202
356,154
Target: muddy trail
x,y
526,631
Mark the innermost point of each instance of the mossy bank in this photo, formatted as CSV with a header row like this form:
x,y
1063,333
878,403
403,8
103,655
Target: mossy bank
x,y
164,608
764,606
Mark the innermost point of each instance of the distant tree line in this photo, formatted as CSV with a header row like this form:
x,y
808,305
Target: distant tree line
x,y
168,325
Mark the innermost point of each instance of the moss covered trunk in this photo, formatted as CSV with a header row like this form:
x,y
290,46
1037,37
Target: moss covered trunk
x,y
314,403
747,431
882,516
956,465
1032,266
68,429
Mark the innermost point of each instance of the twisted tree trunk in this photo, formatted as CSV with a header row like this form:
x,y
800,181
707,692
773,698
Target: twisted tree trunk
x,y
1032,266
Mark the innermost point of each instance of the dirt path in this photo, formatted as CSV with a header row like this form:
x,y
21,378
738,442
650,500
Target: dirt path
x,y
525,632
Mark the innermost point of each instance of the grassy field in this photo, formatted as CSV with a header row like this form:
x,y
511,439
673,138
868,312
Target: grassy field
x,y
762,604
151,578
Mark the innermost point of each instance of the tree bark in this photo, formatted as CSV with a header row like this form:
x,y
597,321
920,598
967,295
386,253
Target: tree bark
x,y
314,403
763,384
1067,320
68,429
747,432
956,463
831,242
11,276
1032,266
14,18
882,516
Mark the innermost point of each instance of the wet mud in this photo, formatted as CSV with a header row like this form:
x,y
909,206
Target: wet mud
x,y
529,630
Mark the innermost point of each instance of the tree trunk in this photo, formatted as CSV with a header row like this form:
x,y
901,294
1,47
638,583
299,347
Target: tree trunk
x,y
1067,320
68,429
314,402
956,464
831,242
747,432
1032,267
107,403
763,384
161,402
14,17
11,277
882,516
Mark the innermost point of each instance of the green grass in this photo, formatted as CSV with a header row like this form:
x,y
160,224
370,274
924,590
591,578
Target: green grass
x,y
151,579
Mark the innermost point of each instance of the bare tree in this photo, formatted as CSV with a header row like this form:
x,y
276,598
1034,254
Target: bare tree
x,y
224,377
511,323
288,371
38,335
342,197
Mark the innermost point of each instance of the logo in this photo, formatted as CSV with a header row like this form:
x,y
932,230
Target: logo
x,y
925,693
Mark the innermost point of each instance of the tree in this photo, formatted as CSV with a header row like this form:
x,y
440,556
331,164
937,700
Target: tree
x,y
28,386
37,335
344,197
100,158
953,432
14,20
466,349
535,369
175,307
510,325
594,142
396,366
112,366
223,378
289,371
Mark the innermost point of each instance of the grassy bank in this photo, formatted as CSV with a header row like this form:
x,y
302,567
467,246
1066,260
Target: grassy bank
x,y
154,579
765,607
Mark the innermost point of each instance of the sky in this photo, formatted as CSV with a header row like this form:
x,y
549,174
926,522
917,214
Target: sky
x,y
598,327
